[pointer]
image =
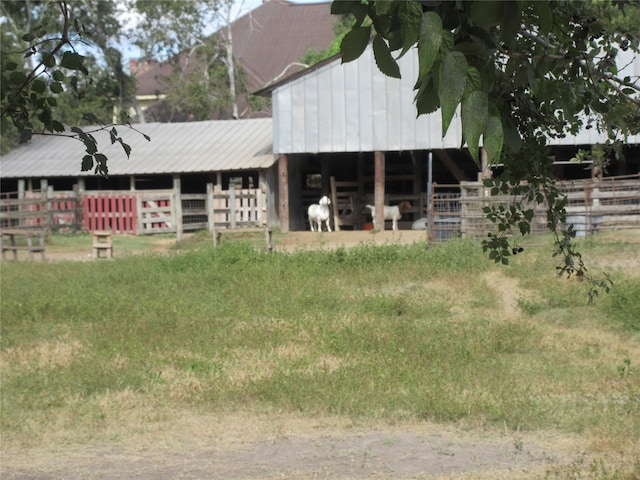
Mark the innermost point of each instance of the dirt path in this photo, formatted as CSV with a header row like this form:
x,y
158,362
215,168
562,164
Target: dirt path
x,y
259,447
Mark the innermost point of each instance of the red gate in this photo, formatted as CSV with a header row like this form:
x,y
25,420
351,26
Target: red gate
x,y
111,212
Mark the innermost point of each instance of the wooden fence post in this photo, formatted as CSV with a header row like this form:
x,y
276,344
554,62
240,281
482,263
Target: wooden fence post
x,y
378,189
209,206
177,206
232,205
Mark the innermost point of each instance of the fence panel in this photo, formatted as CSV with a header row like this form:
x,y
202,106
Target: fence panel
x,y
237,208
194,212
114,212
157,213
35,211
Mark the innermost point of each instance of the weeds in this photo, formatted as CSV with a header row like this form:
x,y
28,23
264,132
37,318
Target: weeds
x,y
388,332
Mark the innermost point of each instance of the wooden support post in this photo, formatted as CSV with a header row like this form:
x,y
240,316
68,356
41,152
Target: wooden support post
x,y
232,205
378,188
209,206
177,206
283,192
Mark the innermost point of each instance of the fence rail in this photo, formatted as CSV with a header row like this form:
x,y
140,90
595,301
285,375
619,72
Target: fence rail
x,y
40,210
145,212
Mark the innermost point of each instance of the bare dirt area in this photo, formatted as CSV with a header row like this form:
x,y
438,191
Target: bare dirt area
x,y
245,446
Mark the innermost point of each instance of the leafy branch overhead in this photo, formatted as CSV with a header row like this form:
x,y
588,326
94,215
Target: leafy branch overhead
x,y
520,73
554,61
44,66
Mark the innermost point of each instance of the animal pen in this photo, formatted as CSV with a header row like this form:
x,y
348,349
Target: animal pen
x,y
456,210
136,212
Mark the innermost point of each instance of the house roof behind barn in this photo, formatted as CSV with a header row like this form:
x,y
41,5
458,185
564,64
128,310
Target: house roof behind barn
x,y
211,146
266,41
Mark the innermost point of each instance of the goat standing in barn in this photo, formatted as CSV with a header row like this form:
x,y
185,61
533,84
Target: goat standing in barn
x,y
393,212
318,213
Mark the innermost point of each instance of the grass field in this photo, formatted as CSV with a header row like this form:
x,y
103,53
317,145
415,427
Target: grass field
x,y
391,333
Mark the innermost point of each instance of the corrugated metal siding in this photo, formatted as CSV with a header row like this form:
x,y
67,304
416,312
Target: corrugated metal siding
x,y
174,148
353,107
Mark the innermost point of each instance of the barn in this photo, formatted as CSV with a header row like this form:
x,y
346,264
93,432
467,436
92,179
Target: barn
x,y
349,131
342,130
189,176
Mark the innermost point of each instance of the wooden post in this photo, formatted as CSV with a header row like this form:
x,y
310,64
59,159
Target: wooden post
x,y
209,206
263,213
232,205
378,189
283,192
430,216
486,168
177,206
49,207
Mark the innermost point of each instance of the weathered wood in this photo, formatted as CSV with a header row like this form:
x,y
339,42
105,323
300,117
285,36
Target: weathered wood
x,y
14,234
283,192
378,189
102,243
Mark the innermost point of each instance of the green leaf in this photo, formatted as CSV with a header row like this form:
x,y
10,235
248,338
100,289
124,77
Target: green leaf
x,y
511,20
25,135
493,136
354,7
126,148
58,76
71,60
18,78
56,87
87,163
545,16
354,43
56,126
427,100
410,17
27,37
429,41
474,112
486,14
38,85
49,61
453,80
384,60
91,117
10,66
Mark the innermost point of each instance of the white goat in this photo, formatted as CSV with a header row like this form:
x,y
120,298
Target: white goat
x,y
393,213
318,213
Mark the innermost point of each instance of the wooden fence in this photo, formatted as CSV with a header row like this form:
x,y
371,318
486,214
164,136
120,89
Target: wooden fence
x,y
141,212
41,210
611,203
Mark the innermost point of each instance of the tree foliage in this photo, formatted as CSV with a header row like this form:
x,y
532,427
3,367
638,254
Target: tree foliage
x,y
205,81
46,60
520,73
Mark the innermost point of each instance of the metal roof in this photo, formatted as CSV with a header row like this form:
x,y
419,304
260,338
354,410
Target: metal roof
x,y
353,107
211,146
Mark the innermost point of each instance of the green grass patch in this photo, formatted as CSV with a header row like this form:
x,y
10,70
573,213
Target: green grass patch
x,y
373,332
